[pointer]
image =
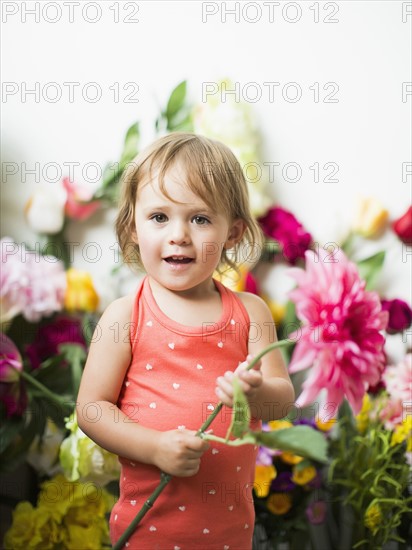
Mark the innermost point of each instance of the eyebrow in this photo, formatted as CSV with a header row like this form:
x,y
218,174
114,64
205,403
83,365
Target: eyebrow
x,y
195,210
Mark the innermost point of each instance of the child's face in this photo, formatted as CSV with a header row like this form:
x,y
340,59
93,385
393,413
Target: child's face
x,y
180,242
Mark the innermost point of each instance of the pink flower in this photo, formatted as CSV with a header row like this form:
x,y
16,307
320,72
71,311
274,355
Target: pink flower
x,y
340,338
12,391
282,226
316,512
31,284
78,203
398,382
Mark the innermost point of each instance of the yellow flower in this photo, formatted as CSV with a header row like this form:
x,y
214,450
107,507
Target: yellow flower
x,y
403,432
279,503
290,458
370,217
362,419
325,426
373,518
279,424
68,515
302,476
32,528
263,478
80,293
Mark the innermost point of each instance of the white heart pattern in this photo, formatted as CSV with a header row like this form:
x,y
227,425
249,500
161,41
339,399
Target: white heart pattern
x,y
199,367
226,547
214,451
176,386
181,427
238,468
182,508
148,367
232,322
149,323
230,508
220,344
152,528
206,531
153,405
133,502
210,407
171,345
212,492
127,384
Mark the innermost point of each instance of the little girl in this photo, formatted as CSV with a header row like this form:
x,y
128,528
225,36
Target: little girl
x,y
163,358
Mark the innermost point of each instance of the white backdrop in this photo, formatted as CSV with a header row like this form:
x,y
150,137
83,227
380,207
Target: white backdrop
x,y
349,62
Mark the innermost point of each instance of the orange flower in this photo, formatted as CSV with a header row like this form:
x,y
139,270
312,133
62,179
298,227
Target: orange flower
x,y
279,503
302,476
263,477
291,458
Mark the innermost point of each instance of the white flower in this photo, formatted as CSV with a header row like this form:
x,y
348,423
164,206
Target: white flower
x,y
43,453
231,122
45,209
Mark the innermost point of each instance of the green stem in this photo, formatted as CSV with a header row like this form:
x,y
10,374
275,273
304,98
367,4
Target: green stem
x,y
45,391
165,478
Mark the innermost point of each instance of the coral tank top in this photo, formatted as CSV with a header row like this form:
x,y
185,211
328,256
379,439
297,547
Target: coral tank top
x,y
171,384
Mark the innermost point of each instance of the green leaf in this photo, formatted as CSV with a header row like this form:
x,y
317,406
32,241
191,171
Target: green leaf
x,y
131,145
241,412
369,268
176,100
301,440
76,357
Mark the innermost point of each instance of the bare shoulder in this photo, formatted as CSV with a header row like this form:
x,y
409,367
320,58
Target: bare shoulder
x,y
116,318
255,306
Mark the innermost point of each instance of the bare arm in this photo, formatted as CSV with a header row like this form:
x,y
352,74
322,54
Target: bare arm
x,y
176,452
268,387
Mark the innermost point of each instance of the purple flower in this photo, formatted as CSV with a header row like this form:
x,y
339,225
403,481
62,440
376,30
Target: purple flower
x,y
62,330
264,456
283,482
400,315
316,512
282,226
12,389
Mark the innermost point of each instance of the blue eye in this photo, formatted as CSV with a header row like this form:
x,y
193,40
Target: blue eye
x,y
201,220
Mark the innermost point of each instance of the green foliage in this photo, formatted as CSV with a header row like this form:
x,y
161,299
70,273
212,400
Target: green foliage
x,y
371,475
370,268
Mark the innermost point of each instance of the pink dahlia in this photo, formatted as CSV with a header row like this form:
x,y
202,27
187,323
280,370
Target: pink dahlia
x,y
340,338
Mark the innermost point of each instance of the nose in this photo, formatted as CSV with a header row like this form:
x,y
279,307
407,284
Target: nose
x,y
179,233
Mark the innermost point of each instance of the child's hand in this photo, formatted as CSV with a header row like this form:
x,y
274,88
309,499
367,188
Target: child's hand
x,y
250,381
179,452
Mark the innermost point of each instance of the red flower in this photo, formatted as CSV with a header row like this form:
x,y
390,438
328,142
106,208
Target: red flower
x,y
400,315
403,227
282,226
340,339
62,330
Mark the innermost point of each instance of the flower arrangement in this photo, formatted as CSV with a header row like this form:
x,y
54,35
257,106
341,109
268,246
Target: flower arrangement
x,y
355,396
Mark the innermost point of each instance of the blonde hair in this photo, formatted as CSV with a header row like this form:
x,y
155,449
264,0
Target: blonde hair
x,y
212,172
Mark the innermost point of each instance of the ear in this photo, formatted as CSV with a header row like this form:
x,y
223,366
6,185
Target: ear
x,y
235,234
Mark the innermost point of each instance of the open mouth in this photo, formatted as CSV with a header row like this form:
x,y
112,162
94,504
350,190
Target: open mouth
x,y
178,260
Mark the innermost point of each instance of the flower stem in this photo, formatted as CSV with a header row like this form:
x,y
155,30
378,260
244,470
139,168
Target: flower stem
x,y
42,388
165,478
